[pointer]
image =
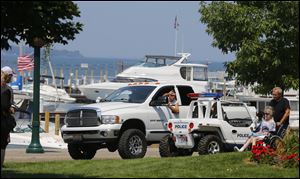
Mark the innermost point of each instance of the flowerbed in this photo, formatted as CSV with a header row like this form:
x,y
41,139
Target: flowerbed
x,y
286,156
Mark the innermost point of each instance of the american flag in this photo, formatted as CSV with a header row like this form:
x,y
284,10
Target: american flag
x,y
25,63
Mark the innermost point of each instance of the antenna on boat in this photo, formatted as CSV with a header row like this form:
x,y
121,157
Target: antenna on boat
x,y
176,24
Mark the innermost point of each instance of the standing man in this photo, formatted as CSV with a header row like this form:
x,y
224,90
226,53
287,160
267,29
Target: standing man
x,y
282,111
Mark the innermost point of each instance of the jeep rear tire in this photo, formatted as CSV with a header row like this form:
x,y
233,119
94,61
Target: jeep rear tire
x,y
132,144
167,147
210,144
81,152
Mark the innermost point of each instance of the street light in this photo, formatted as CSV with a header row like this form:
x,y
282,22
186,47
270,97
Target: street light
x,y
35,146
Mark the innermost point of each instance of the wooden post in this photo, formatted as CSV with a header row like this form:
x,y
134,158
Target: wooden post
x,y
92,76
76,78
86,76
47,118
106,72
101,75
57,124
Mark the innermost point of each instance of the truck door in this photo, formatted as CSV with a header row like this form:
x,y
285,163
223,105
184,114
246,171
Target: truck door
x,y
160,113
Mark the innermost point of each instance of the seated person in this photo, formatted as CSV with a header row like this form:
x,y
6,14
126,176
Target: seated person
x,y
214,112
267,126
172,102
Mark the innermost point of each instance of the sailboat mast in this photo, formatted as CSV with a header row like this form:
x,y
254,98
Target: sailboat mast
x,y
47,49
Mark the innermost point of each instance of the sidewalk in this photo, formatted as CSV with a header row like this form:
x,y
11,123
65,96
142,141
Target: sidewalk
x,y
20,155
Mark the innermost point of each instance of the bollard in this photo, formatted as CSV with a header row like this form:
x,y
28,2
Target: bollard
x,y
47,118
57,124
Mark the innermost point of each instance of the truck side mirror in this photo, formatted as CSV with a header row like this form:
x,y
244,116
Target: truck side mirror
x,y
159,101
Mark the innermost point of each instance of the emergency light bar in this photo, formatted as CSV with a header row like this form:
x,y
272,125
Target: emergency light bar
x,y
204,95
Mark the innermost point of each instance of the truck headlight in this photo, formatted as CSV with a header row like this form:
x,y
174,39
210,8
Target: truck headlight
x,y
110,119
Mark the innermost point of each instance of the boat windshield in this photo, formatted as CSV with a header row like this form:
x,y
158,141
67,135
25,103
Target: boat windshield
x,y
130,94
119,79
158,61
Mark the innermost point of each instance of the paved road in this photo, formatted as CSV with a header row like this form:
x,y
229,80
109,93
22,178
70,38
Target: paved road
x,y
20,155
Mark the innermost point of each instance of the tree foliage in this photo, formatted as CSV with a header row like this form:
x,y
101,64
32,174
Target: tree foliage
x,y
265,37
50,21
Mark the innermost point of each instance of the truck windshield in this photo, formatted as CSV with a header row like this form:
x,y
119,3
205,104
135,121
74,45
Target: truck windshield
x,y
131,94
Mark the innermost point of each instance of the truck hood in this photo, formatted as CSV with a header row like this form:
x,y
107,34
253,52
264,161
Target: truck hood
x,y
109,106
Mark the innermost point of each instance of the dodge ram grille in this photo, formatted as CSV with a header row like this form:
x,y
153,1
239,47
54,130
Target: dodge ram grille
x,y
82,118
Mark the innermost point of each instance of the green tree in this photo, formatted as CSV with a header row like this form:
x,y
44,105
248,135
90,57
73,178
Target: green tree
x,y
38,24
50,21
265,37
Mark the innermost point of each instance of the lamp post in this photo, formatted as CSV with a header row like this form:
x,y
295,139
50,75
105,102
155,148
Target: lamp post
x,y
35,146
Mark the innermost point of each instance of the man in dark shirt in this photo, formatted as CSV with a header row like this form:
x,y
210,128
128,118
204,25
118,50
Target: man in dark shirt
x,y
282,111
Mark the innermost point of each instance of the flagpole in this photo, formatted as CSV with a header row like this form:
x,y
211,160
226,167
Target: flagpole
x,y
176,24
175,41
182,42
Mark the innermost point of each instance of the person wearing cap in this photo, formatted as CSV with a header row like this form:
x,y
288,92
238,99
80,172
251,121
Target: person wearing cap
x,y
172,102
9,77
9,72
6,108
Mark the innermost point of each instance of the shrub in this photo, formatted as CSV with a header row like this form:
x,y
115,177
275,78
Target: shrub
x,y
286,155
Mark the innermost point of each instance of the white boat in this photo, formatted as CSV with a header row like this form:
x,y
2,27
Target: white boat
x,y
47,92
50,94
155,68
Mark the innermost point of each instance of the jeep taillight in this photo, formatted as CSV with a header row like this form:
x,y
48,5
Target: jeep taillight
x,y
191,126
170,125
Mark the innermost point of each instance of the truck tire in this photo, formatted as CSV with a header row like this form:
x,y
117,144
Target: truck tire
x,y
81,152
132,144
167,147
210,144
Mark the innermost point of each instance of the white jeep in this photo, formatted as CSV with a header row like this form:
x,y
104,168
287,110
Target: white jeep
x,y
211,126
128,120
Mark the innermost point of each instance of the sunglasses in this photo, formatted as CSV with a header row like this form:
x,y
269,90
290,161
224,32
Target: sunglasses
x,y
267,113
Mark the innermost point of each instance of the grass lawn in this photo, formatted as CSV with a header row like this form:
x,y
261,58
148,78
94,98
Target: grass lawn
x,y
233,165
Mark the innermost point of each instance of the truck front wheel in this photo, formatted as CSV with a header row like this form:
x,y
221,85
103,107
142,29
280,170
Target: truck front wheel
x,y
132,144
81,151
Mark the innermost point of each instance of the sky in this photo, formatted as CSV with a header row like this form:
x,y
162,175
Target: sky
x,y
133,29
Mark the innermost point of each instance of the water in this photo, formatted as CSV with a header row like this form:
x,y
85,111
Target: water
x,y
96,66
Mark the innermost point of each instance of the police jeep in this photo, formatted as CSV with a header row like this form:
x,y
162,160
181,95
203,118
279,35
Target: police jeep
x,y
212,125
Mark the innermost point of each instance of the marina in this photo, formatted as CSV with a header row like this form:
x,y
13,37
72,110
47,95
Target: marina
x,y
172,87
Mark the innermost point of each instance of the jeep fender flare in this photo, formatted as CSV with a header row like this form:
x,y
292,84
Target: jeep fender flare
x,y
212,130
